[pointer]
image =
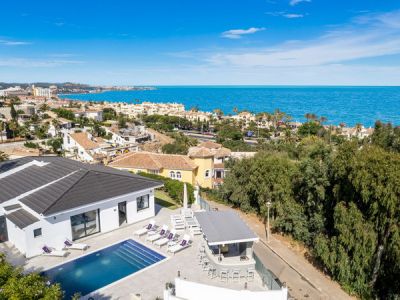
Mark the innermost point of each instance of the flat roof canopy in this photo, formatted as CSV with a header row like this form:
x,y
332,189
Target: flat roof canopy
x,y
224,227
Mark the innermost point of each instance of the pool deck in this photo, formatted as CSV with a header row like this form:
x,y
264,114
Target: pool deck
x,y
150,282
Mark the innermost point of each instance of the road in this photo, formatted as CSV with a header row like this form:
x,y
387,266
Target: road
x,y
205,137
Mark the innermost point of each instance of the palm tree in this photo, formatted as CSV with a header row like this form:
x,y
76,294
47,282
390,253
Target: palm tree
x,y
313,117
218,112
2,123
358,128
56,124
13,127
235,110
322,120
307,116
44,107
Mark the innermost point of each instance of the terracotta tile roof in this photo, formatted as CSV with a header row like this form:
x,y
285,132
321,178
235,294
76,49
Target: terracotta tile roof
x,y
199,152
221,152
153,161
210,145
82,139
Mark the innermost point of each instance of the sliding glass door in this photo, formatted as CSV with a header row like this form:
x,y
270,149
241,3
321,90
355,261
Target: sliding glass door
x,y
85,224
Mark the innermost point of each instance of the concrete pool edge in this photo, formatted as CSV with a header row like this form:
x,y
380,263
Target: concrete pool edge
x,y
150,247
85,297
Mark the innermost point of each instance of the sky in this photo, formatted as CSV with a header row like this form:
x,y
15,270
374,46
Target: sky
x,y
208,42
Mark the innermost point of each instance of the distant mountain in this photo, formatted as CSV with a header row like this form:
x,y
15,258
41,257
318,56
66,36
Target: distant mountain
x,y
69,85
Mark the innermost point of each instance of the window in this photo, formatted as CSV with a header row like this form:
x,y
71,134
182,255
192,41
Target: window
x,y
37,232
69,140
178,175
172,174
207,174
143,202
85,224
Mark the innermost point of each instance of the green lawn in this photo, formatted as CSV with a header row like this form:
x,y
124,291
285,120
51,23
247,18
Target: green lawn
x,y
163,199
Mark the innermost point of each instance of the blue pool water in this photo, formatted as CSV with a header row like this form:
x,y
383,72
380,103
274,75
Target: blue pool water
x,y
348,104
98,269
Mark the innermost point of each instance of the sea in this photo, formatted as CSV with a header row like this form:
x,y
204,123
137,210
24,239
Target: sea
x,y
339,104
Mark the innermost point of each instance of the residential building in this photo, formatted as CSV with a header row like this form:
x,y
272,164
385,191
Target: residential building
x,y
5,112
203,166
41,92
218,153
94,114
132,135
82,145
13,91
179,167
46,200
27,109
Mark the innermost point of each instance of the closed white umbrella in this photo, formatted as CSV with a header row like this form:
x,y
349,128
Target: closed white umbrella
x,y
185,196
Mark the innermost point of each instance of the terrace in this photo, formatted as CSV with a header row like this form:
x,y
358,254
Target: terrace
x,y
151,282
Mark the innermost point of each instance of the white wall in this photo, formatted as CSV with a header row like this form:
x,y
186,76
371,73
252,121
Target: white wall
x,y
136,216
16,236
196,291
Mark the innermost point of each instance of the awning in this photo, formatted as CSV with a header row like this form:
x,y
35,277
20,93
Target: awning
x,y
21,218
224,227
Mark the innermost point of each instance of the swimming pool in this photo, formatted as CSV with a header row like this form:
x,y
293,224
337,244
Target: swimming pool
x,y
98,269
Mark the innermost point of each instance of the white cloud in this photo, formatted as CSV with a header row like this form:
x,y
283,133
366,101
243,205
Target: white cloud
x,y
238,33
285,14
293,16
13,43
378,36
35,63
295,2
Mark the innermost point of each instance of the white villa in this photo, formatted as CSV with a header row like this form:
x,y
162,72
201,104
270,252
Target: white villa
x,y
46,200
82,145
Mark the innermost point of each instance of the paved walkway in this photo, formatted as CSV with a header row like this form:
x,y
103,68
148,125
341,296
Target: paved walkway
x,y
304,281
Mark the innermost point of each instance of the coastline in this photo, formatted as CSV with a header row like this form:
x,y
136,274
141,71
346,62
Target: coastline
x,y
344,104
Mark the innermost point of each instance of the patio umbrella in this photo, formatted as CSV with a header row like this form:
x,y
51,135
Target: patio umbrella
x,y
185,196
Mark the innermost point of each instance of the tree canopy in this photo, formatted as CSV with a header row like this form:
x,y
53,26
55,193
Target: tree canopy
x,y
342,202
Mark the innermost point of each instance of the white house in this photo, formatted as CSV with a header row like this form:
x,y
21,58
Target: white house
x,y
82,145
128,136
94,114
46,200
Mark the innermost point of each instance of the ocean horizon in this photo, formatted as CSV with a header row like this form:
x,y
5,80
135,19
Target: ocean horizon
x,y
339,104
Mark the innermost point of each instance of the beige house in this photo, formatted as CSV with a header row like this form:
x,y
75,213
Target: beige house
x,y
203,166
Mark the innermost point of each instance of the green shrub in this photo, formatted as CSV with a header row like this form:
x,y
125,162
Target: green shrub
x,y
31,145
174,188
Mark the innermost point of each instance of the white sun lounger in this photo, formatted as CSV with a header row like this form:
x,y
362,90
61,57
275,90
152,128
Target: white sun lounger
x,y
184,243
48,251
145,229
170,237
75,246
152,238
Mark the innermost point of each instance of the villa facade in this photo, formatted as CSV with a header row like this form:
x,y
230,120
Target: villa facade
x,y
47,200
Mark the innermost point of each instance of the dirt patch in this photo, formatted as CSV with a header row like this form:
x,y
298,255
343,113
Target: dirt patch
x,y
159,141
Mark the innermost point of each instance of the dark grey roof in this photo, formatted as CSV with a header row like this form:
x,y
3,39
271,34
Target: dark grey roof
x,y
224,227
22,218
77,184
11,207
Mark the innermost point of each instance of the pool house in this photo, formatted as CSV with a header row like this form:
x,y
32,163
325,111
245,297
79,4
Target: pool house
x,y
228,246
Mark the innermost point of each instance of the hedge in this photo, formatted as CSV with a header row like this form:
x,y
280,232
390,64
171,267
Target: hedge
x,y
174,188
